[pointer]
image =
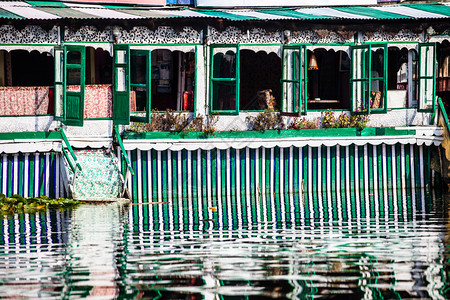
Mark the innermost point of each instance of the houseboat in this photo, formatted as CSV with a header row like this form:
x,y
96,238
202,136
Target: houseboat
x,y
206,102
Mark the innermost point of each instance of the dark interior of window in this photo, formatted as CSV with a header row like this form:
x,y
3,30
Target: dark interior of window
x,y
172,80
443,73
224,92
23,68
138,80
329,84
98,66
397,66
260,75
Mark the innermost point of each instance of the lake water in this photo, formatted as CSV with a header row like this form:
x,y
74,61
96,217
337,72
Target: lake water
x,y
377,246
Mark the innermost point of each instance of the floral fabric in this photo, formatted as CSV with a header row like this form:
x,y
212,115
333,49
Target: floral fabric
x,y
39,100
25,100
97,100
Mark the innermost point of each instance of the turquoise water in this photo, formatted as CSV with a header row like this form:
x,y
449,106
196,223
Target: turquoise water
x,y
390,247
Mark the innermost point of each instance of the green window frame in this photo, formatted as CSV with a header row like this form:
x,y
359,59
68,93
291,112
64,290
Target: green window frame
x,y
427,77
361,79
294,81
121,84
220,81
69,105
147,85
60,57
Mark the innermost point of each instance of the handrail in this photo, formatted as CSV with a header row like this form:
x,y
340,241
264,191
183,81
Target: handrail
x,y
68,159
444,113
66,141
122,148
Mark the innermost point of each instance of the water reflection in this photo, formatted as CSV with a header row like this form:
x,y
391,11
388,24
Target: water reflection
x,y
346,246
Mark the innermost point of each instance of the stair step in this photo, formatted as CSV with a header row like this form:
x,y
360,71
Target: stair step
x,y
100,178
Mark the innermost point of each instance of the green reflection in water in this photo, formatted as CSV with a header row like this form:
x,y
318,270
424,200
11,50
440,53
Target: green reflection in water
x,y
351,245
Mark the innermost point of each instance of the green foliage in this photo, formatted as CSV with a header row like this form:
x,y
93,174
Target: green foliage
x,y
171,121
329,120
19,204
303,123
266,120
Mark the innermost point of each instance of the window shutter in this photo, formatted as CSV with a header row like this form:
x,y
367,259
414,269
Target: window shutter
x,y
74,78
427,77
121,85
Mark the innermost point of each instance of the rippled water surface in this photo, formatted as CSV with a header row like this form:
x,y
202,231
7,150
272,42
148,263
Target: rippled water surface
x,y
290,247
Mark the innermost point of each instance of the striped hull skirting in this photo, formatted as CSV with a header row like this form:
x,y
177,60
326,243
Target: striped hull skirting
x,y
214,174
31,174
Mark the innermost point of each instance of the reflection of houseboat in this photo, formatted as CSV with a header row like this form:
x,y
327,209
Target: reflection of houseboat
x,y
83,69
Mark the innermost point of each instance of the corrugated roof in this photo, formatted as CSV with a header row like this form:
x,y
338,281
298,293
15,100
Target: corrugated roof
x,y
60,10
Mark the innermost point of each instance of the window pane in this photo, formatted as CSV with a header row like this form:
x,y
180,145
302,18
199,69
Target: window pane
x,y
74,78
359,63
138,69
224,96
74,57
426,93
376,94
59,104
291,96
224,63
140,96
120,80
291,64
359,94
58,65
377,63
121,56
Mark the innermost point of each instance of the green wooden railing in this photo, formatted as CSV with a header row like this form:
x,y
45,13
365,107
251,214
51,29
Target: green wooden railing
x,y
122,148
72,153
444,114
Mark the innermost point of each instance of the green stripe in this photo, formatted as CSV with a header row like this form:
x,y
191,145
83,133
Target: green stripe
x,y
195,182
267,169
145,173
242,156
46,4
233,171
184,165
154,176
314,165
223,175
295,170
389,166
370,12
31,176
164,168
6,14
323,162
134,177
225,15
214,174
432,8
292,14
379,158
21,173
276,159
9,188
342,169
204,173
373,158
333,168
287,159
304,161
252,173
361,171
174,175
